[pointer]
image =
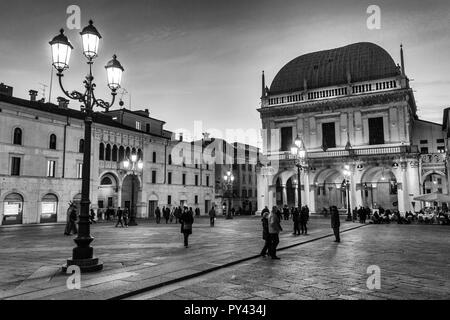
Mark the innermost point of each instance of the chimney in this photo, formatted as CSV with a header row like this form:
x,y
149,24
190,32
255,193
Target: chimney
x,y
6,90
33,94
181,137
147,111
62,103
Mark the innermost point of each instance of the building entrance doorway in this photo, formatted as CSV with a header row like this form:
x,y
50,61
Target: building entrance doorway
x,y
152,205
13,209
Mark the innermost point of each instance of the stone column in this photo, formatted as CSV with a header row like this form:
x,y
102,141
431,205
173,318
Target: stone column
x,y
414,184
403,191
284,195
296,195
306,193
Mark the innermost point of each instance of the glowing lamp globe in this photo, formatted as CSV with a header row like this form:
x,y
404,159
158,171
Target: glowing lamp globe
x,y
91,39
61,50
114,72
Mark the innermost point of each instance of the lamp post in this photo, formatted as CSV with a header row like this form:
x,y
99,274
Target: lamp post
x,y
83,254
346,184
228,182
134,165
298,150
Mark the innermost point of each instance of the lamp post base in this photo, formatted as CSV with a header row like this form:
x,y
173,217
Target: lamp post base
x,y
85,265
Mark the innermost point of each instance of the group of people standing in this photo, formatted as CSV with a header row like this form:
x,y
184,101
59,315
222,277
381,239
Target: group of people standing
x,y
271,223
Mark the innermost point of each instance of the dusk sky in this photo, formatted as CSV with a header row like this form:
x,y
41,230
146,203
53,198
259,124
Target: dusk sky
x,y
202,60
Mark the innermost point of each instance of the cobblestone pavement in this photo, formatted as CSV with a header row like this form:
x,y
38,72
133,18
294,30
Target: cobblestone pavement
x,y
134,258
149,255
414,263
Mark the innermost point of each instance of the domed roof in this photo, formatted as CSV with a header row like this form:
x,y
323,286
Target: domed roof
x,y
361,61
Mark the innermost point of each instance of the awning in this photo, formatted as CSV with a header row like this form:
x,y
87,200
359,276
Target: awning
x,y
434,197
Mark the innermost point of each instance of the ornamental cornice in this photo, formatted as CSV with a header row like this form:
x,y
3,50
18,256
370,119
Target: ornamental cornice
x,y
333,105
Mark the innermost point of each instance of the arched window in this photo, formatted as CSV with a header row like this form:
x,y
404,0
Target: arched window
x,y
106,181
133,151
81,146
102,152
128,153
114,153
108,153
17,136
121,154
52,144
140,155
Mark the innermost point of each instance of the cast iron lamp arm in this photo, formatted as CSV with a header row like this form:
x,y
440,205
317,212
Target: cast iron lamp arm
x,y
74,95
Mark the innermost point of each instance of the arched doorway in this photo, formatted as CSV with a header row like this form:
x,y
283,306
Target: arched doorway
x,y
279,193
152,205
329,190
434,182
130,190
379,189
290,192
108,196
49,208
13,209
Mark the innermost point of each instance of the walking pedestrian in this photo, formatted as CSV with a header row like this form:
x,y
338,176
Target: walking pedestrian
x,y
166,214
126,215
158,215
92,217
335,223
70,220
197,212
187,220
266,235
304,216
212,216
296,220
274,231
119,217
172,215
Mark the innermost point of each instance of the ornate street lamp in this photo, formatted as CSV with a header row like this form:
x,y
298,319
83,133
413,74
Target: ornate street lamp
x,y
228,182
134,165
346,184
298,150
83,254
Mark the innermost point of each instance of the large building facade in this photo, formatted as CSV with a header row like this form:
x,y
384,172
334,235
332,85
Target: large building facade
x,y
355,111
41,157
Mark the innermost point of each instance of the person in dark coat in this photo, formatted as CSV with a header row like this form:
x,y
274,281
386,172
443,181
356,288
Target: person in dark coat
x,y
126,215
92,216
265,236
335,223
187,220
274,232
166,214
197,212
304,217
119,217
212,216
286,213
158,215
296,220
71,220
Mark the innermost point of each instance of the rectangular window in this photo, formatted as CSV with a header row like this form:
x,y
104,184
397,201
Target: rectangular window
x,y
154,157
439,181
441,149
423,150
376,131
169,200
328,135
147,127
51,168
207,167
440,141
170,159
196,180
153,177
196,199
423,141
184,179
207,181
79,170
15,166
138,125
439,190
250,193
169,178
286,138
